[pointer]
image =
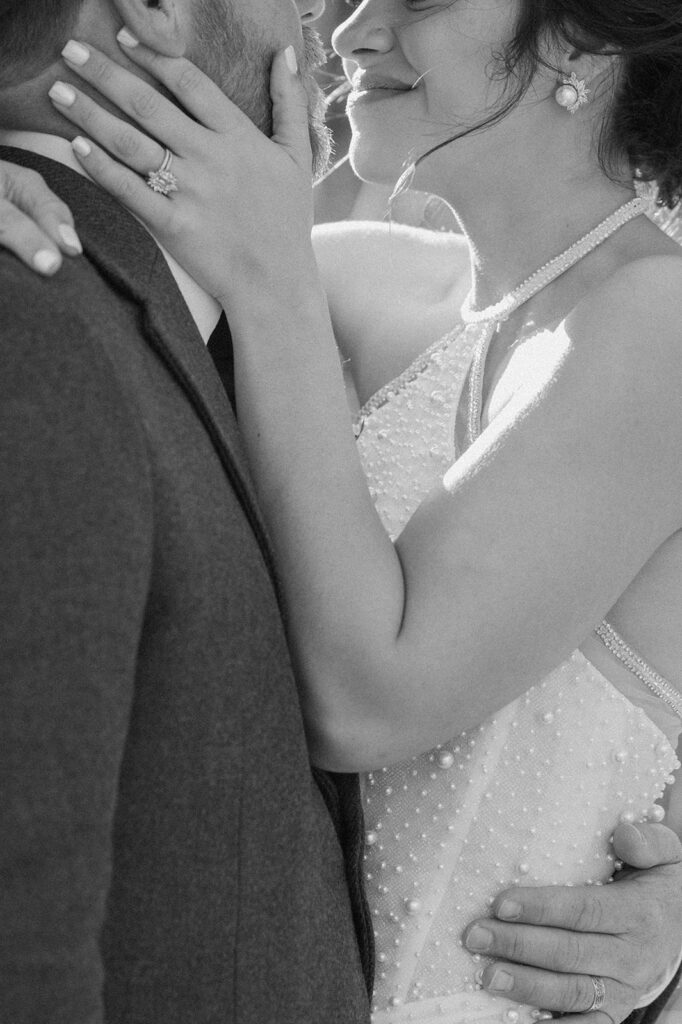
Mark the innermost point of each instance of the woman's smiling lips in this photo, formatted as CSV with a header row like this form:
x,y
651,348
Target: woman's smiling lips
x,y
367,88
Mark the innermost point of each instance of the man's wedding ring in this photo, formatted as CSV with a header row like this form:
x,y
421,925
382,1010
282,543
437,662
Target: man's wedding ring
x,y
163,180
599,994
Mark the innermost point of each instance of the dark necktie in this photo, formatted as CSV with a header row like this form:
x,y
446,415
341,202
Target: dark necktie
x,y
220,350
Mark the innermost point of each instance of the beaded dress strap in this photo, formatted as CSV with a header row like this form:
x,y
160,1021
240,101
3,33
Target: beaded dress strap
x,y
493,316
475,390
615,643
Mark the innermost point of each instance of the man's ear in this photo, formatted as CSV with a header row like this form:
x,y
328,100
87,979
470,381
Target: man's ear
x,y
163,25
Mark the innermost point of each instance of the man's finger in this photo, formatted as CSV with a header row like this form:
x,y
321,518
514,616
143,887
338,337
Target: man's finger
x,y
589,908
646,845
553,949
566,993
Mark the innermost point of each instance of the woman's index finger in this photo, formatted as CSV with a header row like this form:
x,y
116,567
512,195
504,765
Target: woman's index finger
x,y
135,98
194,90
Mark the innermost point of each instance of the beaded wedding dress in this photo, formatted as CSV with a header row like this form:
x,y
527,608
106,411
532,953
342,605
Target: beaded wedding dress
x,y
532,795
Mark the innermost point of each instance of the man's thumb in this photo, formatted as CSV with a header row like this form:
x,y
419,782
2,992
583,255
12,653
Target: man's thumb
x,y
646,845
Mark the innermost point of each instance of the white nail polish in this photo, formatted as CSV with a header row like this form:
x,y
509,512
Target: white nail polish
x,y
76,53
70,238
63,94
46,262
81,146
290,58
126,38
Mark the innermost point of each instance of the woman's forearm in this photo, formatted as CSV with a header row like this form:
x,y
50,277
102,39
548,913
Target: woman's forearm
x,y
341,575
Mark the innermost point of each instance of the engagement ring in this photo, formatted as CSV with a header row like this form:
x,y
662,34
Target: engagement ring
x,y
163,180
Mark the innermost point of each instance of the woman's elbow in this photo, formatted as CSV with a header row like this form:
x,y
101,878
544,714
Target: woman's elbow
x,y
352,742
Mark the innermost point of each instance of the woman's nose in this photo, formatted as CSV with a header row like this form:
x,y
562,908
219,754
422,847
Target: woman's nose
x,y
363,33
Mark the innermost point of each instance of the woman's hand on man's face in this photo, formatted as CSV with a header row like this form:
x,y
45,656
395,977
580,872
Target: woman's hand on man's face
x,y
34,223
242,201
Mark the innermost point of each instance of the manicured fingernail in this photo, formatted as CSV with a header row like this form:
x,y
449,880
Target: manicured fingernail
x,y
501,981
76,53
81,146
479,939
510,910
46,262
127,38
63,94
70,238
290,58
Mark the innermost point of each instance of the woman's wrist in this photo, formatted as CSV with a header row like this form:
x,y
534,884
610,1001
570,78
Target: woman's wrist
x,y
291,297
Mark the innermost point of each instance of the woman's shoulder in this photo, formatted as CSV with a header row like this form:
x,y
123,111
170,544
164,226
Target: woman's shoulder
x,y
392,290
642,298
626,334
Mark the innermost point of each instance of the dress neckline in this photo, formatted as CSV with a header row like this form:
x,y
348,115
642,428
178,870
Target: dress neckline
x,y
411,372
555,267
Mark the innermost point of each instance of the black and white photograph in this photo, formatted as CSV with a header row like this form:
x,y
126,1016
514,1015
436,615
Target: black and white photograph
x,y
340,511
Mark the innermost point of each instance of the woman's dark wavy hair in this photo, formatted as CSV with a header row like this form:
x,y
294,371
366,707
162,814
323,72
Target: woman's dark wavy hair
x,y
644,122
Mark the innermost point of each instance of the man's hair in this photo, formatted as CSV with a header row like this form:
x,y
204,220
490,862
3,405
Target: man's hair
x,y
32,34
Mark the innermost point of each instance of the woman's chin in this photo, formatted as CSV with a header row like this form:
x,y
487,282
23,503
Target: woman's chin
x,y
374,165
384,164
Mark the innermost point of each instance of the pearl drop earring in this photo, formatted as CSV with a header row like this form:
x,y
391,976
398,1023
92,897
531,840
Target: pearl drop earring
x,y
572,93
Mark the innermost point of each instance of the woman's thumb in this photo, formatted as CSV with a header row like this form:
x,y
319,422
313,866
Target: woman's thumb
x,y
290,108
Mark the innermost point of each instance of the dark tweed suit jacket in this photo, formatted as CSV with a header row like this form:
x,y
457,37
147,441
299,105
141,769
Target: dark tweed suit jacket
x,y
166,854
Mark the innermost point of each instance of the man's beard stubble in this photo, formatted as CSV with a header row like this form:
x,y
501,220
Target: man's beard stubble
x,y
236,56
320,135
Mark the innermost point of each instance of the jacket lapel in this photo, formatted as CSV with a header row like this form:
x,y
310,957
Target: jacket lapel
x,y
127,256
173,334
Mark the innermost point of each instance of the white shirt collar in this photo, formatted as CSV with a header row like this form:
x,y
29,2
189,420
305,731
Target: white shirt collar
x,y
203,307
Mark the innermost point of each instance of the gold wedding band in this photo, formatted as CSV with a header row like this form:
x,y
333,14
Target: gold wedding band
x,y
599,994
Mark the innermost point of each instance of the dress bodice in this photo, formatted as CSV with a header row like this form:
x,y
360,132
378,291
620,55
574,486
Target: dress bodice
x,y
530,797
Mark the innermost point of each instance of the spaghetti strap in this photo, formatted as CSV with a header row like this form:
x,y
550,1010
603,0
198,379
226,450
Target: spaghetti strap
x,y
615,643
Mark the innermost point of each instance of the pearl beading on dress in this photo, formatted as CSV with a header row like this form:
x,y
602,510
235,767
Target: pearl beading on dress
x,y
412,372
529,797
419,403
501,310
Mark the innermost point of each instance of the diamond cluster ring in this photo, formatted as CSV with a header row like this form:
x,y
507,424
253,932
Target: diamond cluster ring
x,y
163,180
